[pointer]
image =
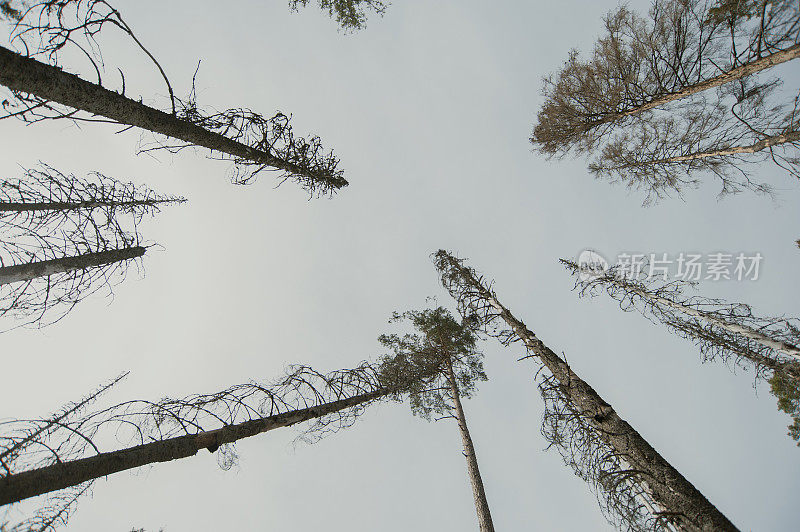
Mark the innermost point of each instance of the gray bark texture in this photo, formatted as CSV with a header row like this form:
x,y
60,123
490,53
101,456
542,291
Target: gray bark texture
x,y
782,347
31,206
20,486
667,487
33,270
51,83
763,144
478,492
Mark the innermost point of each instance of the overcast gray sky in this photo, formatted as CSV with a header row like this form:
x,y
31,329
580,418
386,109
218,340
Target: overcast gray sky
x,y
429,109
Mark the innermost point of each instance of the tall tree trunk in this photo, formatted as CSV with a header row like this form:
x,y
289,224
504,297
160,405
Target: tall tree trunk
x,y
756,147
27,75
757,65
32,270
478,491
784,348
667,487
24,206
20,486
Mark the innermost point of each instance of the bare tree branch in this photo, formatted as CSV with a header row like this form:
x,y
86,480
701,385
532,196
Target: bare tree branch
x,y
63,238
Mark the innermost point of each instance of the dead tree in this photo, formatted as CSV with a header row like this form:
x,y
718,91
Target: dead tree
x,y
45,199
682,49
64,451
445,350
350,14
41,282
41,90
724,331
743,127
63,238
637,488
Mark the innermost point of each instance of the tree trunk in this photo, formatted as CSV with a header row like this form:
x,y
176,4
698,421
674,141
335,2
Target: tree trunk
x,y
479,494
27,75
32,270
793,52
668,488
763,144
782,347
24,206
20,486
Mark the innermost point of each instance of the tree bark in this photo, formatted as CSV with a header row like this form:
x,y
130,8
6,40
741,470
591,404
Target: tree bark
x,y
762,63
20,486
478,492
27,75
32,270
25,206
763,144
782,347
668,488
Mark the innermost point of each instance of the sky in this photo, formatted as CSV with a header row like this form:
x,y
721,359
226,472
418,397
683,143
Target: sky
x,y
430,109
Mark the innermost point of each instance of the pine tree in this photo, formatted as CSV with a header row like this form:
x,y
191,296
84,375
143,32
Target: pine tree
x,y
350,14
62,453
684,48
445,350
64,238
41,90
787,391
640,489
172,429
730,332
746,126
46,197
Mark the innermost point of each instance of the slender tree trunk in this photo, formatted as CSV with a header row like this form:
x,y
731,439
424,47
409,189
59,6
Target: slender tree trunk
x,y
666,485
20,486
478,491
32,270
24,206
763,144
782,347
757,65
27,75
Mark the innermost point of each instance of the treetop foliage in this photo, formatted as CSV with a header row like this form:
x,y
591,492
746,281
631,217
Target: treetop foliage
x,y
420,360
787,391
731,10
640,60
351,15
